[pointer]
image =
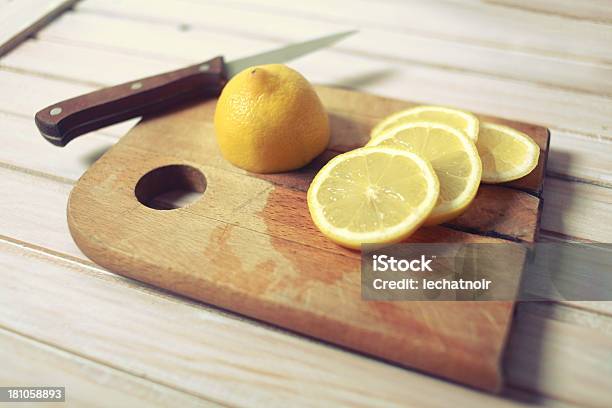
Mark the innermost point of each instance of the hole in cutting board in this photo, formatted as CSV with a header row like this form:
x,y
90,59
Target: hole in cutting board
x,y
170,187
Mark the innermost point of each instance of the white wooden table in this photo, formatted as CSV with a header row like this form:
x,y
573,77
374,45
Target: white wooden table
x,y
112,341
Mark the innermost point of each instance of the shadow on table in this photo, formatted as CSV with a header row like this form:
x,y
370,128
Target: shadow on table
x,y
364,79
93,156
524,356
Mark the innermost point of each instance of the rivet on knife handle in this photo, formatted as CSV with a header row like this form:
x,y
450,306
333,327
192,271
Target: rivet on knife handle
x,y
61,122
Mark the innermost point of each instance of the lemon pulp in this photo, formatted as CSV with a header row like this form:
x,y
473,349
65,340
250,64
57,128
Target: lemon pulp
x,y
372,195
453,157
506,153
463,121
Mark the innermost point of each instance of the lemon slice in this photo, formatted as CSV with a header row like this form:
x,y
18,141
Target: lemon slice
x,y
453,157
464,121
506,154
372,195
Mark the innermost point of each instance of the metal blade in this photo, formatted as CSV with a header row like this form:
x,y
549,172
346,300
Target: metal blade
x,y
284,54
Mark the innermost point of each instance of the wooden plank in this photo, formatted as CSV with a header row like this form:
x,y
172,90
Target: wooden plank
x,y
25,148
571,156
217,355
95,33
581,158
593,10
36,211
40,92
596,175
20,19
25,191
84,379
554,207
375,43
594,308
268,224
576,313
28,102
604,308
33,51
36,93
139,68
537,338
577,209
553,108
68,164
468,23
195,348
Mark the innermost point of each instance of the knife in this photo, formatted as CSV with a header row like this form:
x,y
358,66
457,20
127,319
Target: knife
x,y
61,122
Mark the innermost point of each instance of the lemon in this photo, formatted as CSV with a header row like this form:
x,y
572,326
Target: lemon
x,y
464,121
453,157
372,195
506,154
269,119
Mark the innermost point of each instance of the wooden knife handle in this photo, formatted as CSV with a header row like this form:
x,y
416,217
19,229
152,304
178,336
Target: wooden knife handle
x,y
61,122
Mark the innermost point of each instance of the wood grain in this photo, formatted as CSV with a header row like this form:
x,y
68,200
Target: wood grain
x,y
568,200
593,10
21,19
81,377
576,157
469,22
263,256
435,69
199,350
537,321
527,102
518,100
25,151
194,334
24,219
374,42
567,208
571,156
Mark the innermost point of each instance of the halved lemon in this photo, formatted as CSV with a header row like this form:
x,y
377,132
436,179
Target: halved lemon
x,y
372,195
506,153
453,157
464,121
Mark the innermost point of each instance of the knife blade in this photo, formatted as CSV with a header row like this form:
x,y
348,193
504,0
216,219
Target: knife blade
x,y
63,121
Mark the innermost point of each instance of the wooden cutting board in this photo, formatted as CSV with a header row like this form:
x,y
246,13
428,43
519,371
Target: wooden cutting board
x,y
249,245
